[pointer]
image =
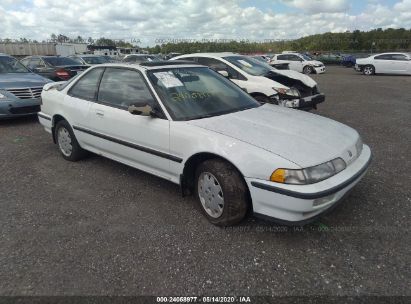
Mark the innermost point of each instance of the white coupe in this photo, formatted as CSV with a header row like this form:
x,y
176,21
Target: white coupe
x,y
190,125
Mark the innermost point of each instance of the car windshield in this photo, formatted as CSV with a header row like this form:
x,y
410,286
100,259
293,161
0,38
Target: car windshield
x,y
249,65
94,59
198,92
306,57
11,65
56,61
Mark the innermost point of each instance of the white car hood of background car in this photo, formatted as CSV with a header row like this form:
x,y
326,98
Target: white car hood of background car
x,y
315,62
303,138
307,80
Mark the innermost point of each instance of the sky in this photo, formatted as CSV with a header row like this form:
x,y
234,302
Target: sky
x,y
153,21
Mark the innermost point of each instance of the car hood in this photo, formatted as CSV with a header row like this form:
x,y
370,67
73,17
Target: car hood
x,y
21,80
315,62
307,80
303,138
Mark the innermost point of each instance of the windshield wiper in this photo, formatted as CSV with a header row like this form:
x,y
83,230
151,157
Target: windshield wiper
x,y
204,116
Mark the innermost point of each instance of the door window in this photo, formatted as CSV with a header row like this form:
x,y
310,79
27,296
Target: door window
x,y
384,57
124,87
86,87
34,63
294,58
282,57
399,57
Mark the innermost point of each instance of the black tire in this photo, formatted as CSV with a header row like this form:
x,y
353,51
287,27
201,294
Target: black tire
x,y
234,190
368,70
77,152
264,99
308,69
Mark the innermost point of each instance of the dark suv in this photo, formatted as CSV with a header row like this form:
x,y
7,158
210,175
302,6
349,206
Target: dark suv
x,y
20,89
57,68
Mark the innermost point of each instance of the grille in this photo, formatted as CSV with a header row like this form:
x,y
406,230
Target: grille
x,y
26,93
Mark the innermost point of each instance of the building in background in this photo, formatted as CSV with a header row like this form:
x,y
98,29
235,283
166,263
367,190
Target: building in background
x,y
21,50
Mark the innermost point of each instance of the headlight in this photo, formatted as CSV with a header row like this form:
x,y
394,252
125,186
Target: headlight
x,y
280,90
359,145
318,65
309,175
288,91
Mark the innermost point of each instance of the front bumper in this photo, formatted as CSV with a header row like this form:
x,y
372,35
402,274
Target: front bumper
x,y
319,70
306,103
301,204
19,107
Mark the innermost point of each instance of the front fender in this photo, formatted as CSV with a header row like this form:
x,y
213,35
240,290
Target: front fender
x,y
187,140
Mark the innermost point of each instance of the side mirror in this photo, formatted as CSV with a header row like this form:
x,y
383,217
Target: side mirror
x,y
223,73
145,111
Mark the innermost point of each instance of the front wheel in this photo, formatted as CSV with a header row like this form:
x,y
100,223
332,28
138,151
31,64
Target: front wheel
x,y
308,69
67,142
222,192
368,70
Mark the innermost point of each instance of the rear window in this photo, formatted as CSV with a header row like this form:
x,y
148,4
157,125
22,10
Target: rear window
x,y
56,61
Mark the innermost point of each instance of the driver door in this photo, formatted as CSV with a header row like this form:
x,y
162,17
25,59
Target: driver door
x,y
140,141
296,63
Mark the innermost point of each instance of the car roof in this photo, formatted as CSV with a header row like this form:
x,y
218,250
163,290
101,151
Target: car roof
x,y
218,55
388,53
138,55
87,55
151,65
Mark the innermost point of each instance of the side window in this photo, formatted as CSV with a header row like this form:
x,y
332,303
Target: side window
x,y
25,61
294,58
217,65
399,57
76,59
34,63
86,87
383,57
123,87
282,57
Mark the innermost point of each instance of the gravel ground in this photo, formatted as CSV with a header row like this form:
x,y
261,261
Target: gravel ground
x,y
97,227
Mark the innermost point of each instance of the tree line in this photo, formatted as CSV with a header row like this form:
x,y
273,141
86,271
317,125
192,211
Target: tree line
x,y
377,40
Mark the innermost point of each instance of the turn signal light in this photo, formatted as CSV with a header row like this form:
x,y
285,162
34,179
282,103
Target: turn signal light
x,y
278,176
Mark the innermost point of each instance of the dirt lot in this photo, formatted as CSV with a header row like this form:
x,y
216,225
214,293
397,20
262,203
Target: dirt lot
x,y
97,227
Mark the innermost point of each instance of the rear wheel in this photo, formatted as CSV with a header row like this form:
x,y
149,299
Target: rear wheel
x,y
67,142
368,70
222,192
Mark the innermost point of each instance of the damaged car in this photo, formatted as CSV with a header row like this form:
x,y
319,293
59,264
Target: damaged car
x,y
263,82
